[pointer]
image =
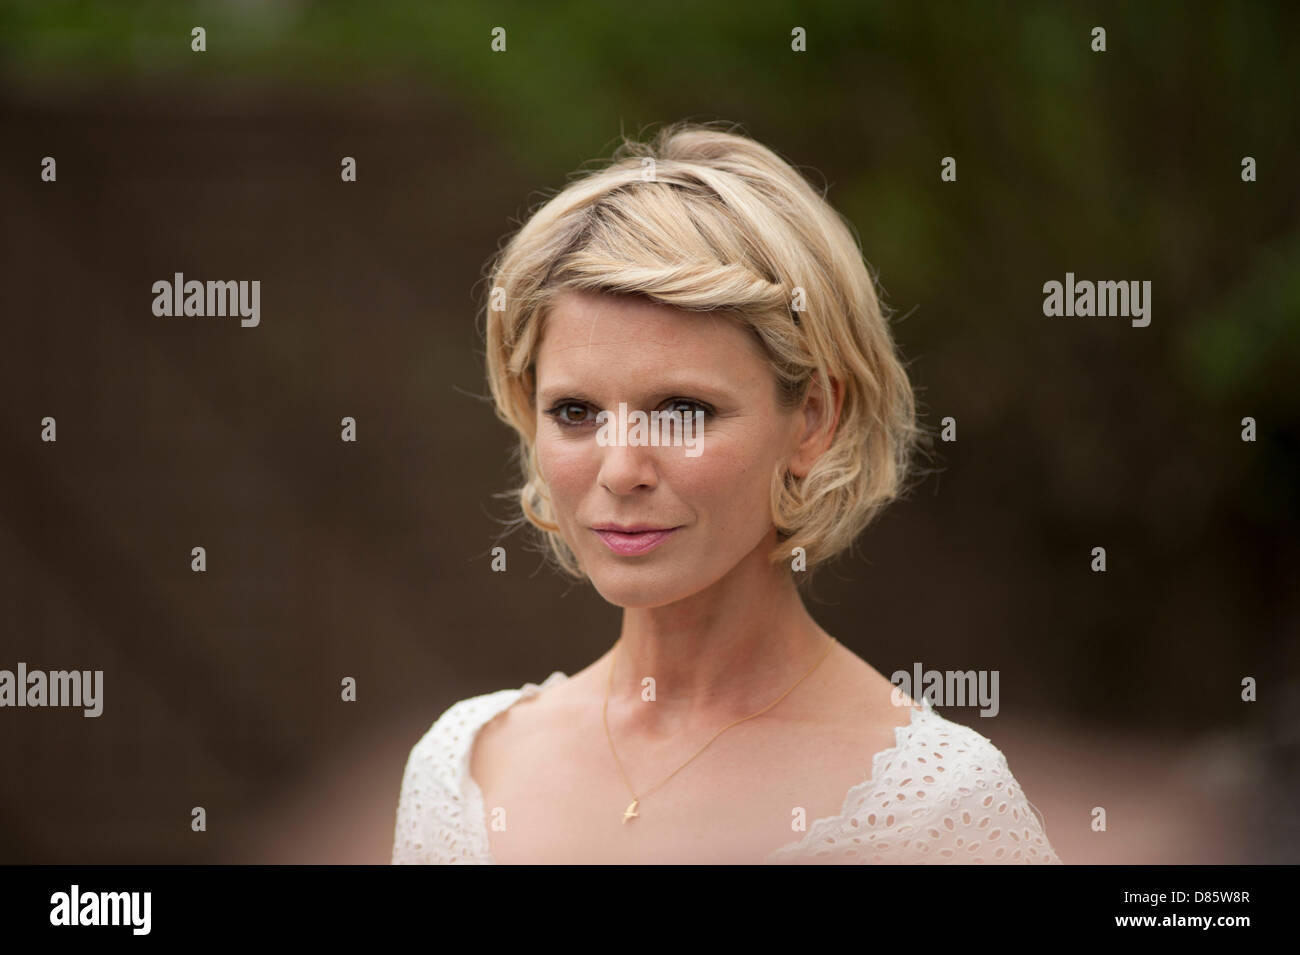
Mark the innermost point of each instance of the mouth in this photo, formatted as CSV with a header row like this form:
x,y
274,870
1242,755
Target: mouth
x,y
638,539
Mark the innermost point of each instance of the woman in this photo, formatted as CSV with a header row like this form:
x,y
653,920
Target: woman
x,y
701,280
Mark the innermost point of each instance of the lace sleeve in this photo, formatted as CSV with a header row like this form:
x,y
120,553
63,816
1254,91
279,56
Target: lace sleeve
x,y
981,814
411,841
432,828
943,795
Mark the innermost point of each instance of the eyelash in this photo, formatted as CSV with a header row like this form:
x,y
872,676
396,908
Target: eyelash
x,y
557,410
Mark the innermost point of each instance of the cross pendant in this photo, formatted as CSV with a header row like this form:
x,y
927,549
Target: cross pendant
x,y
630,811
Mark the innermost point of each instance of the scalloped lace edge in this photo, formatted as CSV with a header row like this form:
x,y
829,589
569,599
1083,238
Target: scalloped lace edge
x,y
473,795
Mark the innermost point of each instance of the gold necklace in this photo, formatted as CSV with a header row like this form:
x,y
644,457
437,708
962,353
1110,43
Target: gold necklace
x,y
630,812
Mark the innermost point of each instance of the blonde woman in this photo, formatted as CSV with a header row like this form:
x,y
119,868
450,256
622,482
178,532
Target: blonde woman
x,y
700,279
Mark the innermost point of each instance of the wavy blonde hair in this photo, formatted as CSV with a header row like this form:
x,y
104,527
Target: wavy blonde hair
x,y
706,219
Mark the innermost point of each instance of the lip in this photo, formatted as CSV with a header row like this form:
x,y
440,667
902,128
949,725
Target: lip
x,y
633,540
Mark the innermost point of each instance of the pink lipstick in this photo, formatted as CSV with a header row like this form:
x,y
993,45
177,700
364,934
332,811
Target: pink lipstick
x,y
634,540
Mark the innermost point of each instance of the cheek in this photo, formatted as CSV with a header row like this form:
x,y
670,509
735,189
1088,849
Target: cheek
x,y
567,466
730,482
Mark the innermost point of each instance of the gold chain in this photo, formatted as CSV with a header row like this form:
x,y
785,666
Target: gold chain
x,y
630,812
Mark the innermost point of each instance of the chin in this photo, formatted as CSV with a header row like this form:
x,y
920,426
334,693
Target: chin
x,y
638,587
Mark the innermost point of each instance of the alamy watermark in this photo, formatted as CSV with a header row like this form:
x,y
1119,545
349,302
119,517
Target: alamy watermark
x,y
947,688
211,299
656,429
1085,299
75,907
84,688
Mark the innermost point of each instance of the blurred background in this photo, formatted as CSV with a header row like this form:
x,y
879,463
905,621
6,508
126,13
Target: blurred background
x,y
371,560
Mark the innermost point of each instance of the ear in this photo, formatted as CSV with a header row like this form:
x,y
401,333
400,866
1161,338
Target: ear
x,y
815,412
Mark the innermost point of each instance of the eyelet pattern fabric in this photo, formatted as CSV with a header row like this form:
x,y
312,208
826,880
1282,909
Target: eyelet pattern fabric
x,y
943,794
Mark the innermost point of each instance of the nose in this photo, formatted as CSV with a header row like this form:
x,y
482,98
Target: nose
x,y
627,468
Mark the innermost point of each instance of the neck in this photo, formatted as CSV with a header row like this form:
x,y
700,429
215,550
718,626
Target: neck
x,y
719,655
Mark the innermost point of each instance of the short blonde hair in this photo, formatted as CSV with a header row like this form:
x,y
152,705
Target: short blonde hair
x,y
703,218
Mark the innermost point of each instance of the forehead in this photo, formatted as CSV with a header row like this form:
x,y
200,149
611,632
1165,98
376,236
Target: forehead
x,y
618,335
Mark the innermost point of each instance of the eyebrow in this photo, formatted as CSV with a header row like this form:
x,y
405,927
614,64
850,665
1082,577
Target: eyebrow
x,y
671,389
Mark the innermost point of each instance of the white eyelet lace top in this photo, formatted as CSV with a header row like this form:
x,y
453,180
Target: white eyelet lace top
x,y
941,794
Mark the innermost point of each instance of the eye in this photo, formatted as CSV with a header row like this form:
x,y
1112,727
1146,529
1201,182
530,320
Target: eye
x,y
688,406
571,414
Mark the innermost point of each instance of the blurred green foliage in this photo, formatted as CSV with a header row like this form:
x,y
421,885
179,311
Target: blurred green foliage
x,y
1131,157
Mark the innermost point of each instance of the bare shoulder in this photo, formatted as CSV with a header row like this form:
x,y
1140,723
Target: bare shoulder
x,y
862,697
517,729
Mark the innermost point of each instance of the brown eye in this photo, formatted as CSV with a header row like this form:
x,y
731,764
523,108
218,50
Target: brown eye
x,y
570,414
687,407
